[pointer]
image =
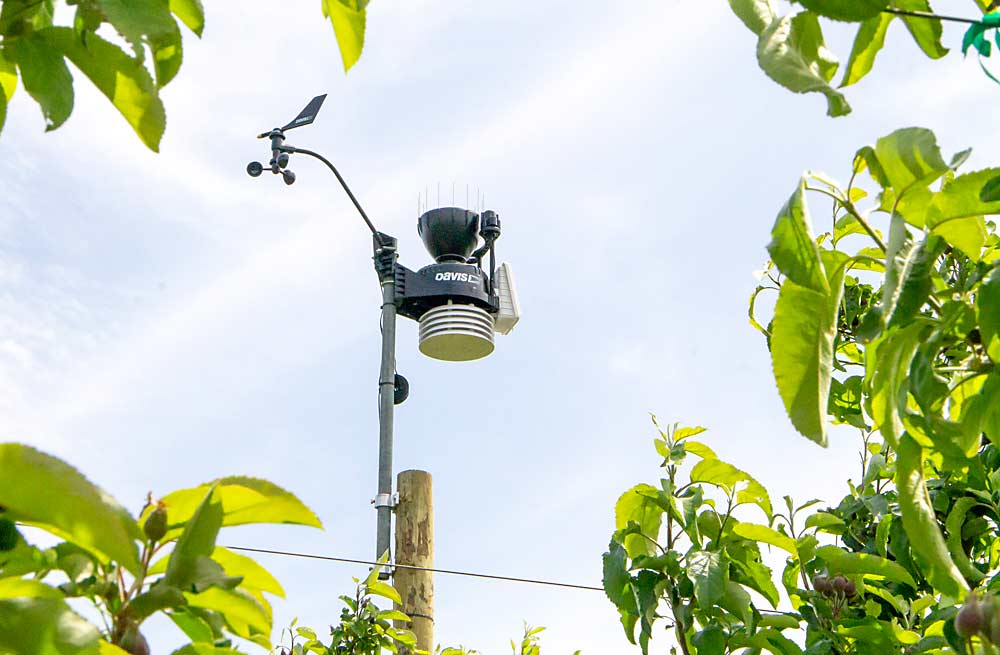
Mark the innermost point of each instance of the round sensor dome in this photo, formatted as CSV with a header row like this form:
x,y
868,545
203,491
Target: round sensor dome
x,y
450,234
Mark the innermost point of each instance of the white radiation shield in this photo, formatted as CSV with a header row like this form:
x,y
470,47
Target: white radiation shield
x,y
456,333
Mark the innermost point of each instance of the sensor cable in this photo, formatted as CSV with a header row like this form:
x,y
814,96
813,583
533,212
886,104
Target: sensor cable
x,y
416,568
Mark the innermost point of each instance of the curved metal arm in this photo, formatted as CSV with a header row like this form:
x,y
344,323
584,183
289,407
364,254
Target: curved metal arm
x,y
316,155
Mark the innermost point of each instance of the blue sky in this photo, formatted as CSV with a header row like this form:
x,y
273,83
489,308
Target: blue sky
x,y
165,319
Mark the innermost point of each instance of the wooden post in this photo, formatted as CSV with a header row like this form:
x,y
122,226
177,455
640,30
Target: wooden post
x,y
415,547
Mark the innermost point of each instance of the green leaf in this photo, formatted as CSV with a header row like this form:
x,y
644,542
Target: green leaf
x,y
956,519
842,561
990,191
737,602
75,562
638,505
754,493
167,55
926,32
700,449
349,26
780,621
956,212
191,14
136,20
866,159
45,76
802,339
921,523
988,312
24,559
709,572
196,628
898,248
8,83
915,282
243,614
206,649
755,14
649,597
8,77
791,52
383,590
750,571
793,247
867,44
683,433
846,10
160,596
18,17
967,234
254,576
715,471
844,405
910,158
766,535
45,492
244,500
44,626
887,364
191,567
710,641
393,615
826,522
775,642
375,571
20,588
122,79
734,481
910,268
617,581
690,504
405,637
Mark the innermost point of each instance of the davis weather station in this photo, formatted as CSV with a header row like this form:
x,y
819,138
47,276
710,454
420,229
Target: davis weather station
x,y
459,302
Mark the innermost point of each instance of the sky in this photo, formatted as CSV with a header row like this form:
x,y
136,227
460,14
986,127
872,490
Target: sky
x,y
166,320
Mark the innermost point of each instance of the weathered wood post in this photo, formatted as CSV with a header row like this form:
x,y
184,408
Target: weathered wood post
x,y
415,547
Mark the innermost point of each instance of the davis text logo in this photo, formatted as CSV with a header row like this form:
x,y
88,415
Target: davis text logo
x,y
457,277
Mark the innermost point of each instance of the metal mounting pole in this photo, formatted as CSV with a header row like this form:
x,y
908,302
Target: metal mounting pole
x,y
385,265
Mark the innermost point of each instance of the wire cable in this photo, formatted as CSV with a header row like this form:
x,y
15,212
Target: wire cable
x,y
416,568
926,14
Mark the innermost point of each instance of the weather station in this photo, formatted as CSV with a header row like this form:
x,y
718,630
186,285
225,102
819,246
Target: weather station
x,y
458,301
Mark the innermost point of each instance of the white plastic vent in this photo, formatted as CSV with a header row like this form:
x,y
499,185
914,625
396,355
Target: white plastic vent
x,y
510,309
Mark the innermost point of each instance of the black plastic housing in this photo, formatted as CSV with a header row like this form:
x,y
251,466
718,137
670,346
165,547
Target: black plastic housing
x,y
434,285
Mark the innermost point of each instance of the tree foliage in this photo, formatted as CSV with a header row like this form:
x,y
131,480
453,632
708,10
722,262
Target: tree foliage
x,y
166,561
129,50
885,322
792,51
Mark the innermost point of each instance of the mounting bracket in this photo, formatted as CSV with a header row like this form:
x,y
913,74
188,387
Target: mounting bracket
x,y
386,500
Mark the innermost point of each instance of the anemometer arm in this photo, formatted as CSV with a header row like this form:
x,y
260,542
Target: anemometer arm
x,y
340,178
